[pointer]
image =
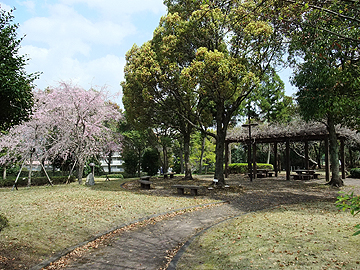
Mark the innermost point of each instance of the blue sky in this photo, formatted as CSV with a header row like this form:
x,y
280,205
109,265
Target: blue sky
x,y
85,41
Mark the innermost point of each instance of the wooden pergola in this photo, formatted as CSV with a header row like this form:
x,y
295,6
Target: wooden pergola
x,y
297,131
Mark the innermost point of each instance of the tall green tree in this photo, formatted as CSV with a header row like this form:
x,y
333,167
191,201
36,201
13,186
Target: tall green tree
x,y
236,43
16,98
328,75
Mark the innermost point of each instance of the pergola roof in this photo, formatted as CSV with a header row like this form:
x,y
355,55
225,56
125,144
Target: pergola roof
x,y
297,130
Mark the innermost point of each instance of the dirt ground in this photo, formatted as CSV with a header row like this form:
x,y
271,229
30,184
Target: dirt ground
x,y
259,193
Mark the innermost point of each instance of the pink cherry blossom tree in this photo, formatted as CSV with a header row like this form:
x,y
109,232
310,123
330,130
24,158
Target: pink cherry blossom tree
x,y
67,120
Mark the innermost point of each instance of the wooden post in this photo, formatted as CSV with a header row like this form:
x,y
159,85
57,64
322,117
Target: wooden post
x,y
306,155
276,159
327,163
342,158
287,159
254,161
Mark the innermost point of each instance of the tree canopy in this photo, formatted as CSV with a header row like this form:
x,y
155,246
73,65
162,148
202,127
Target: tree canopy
x,y
16,99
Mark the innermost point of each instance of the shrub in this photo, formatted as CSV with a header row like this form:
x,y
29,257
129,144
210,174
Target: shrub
x,y
113,175
352,202
150,161
243,167
355,173
3,222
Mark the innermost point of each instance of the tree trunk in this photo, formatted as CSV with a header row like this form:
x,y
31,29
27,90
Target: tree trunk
x,y
30,170
181,159
4,173
202,154
334,154
188,175
139,163
109,162
221,127
165,163
269,154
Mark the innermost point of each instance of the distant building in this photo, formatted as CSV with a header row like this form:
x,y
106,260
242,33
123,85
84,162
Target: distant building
x,y
116,163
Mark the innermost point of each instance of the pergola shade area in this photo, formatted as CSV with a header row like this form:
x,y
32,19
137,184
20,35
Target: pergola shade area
x,y
295,131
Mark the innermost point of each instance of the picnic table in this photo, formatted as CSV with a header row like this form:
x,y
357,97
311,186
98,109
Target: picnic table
x,y
264,173
305,175
170,174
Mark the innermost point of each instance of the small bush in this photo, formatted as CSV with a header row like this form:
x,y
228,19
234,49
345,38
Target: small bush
x,y
243,167
113,175
3,222
355,173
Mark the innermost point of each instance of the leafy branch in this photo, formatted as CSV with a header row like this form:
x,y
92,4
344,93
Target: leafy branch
x,y
352,202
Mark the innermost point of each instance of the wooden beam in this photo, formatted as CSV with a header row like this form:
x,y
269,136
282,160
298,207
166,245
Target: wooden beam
x,y
254,161
306,155
288,159
276,159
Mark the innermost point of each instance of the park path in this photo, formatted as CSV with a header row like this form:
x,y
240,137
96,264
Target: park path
x,y
147,247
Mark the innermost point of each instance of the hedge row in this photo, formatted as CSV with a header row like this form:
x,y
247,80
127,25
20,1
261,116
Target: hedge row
x,y
35,181
114,175
355,173
243,167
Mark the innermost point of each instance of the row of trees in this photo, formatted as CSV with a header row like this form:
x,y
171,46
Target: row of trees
x,y
208,59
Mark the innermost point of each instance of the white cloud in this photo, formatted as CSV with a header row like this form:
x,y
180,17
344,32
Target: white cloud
x,y
5,7
121,7
30,5
83,41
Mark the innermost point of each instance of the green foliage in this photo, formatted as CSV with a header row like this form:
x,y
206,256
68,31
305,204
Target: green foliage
x,y
243,167
98,170
150,161
36,181
131,162
3,222
16,98
351,202
355,173
113,175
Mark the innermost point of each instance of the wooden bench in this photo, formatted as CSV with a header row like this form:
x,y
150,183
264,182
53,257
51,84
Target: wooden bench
x,y
145,184
303,176
181,189
169,174
146,177
316,175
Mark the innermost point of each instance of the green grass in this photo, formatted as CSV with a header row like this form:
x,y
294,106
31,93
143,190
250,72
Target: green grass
x,y
307,236
45,220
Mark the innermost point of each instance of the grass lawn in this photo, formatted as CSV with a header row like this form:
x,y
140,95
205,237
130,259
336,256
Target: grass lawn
x,y
305,236
46,220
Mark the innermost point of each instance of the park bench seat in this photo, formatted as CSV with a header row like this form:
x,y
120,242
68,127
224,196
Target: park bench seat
x,y
171,175
145,184
181,189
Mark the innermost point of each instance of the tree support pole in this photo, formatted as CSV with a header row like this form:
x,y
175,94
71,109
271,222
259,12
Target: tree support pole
x,y
17,177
